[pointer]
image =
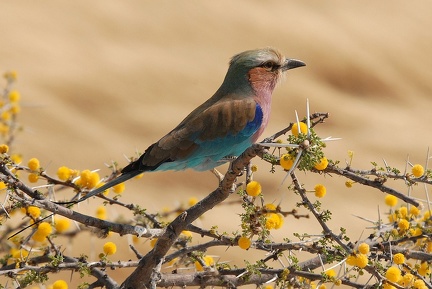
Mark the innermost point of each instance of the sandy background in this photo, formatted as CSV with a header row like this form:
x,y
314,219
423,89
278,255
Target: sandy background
x,y
100,79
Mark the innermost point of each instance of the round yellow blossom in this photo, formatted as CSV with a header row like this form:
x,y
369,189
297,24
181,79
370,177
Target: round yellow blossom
x,y
270,207
33,211
33,164
5,115
399,258
286,162
322,286
338,282
363,248
101,213
417,170
15,108
33,178
272,221
320,191
350,260
424,269
4,148
88,179
187,234
419,284
253,189
208,261
295,128
44,228
322,165
331,273
281,221
60,284
407,280
64,173
14,96
403,225
415,231
361,260
393,274
16,158
388,286
19,253
2,186
109,248
61,225
254,168
349,184
119,188
244,243
192,201
390,200
414,211
403,212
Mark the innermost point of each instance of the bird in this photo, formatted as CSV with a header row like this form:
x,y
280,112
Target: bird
x,y
222,127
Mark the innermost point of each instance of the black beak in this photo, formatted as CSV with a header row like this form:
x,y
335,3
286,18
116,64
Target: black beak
x,y
292,63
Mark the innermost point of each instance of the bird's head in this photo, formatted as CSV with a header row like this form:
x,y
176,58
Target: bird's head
x,y
260,69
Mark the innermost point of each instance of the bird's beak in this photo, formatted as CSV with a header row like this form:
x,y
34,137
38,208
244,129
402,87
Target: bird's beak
x,y
292,63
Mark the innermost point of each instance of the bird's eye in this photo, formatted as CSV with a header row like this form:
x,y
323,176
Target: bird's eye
x,y
269,65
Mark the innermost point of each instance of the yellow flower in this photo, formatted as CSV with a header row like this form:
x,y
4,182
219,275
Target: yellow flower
x,y
393,274
363,248
331,273
295,129
424,269
399,258
64,173
192,201
322,286
361,260
253,189
33,211
322,164
208,261
349,184
417,170
14,96
10,75
187,234
280,223
419,284
33,164
61,225
403,224
403,212
407,280
4,148
101,213
109,248
286,162
244,243
429,247
60,284
320,191
88,179
270,207
390,200
44,228
16,158
254,168
119,188
272,221
33,178
351,260
2,186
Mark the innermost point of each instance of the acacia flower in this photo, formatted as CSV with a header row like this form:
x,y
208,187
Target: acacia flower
x,y
33,178
33,164
61,225
322,164
390,200
286,161
109,248
273,221
403,224
64,173
417,170
253,188
4,148
361,260
244,243
295,128
363,248
320,191
101,213
399,258
14,96
119,188
60,284
33,211
192,201
419,284
208,261
393,274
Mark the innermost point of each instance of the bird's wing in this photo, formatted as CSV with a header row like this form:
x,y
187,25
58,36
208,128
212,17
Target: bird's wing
x,y
238,118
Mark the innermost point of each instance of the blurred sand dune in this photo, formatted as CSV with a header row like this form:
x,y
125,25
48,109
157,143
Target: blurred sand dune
x,y
100,79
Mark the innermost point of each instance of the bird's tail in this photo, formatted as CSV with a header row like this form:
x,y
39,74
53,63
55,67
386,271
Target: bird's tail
x,y
120,179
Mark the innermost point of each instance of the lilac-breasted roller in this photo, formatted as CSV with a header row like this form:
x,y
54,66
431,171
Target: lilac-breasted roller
x,y
222,127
